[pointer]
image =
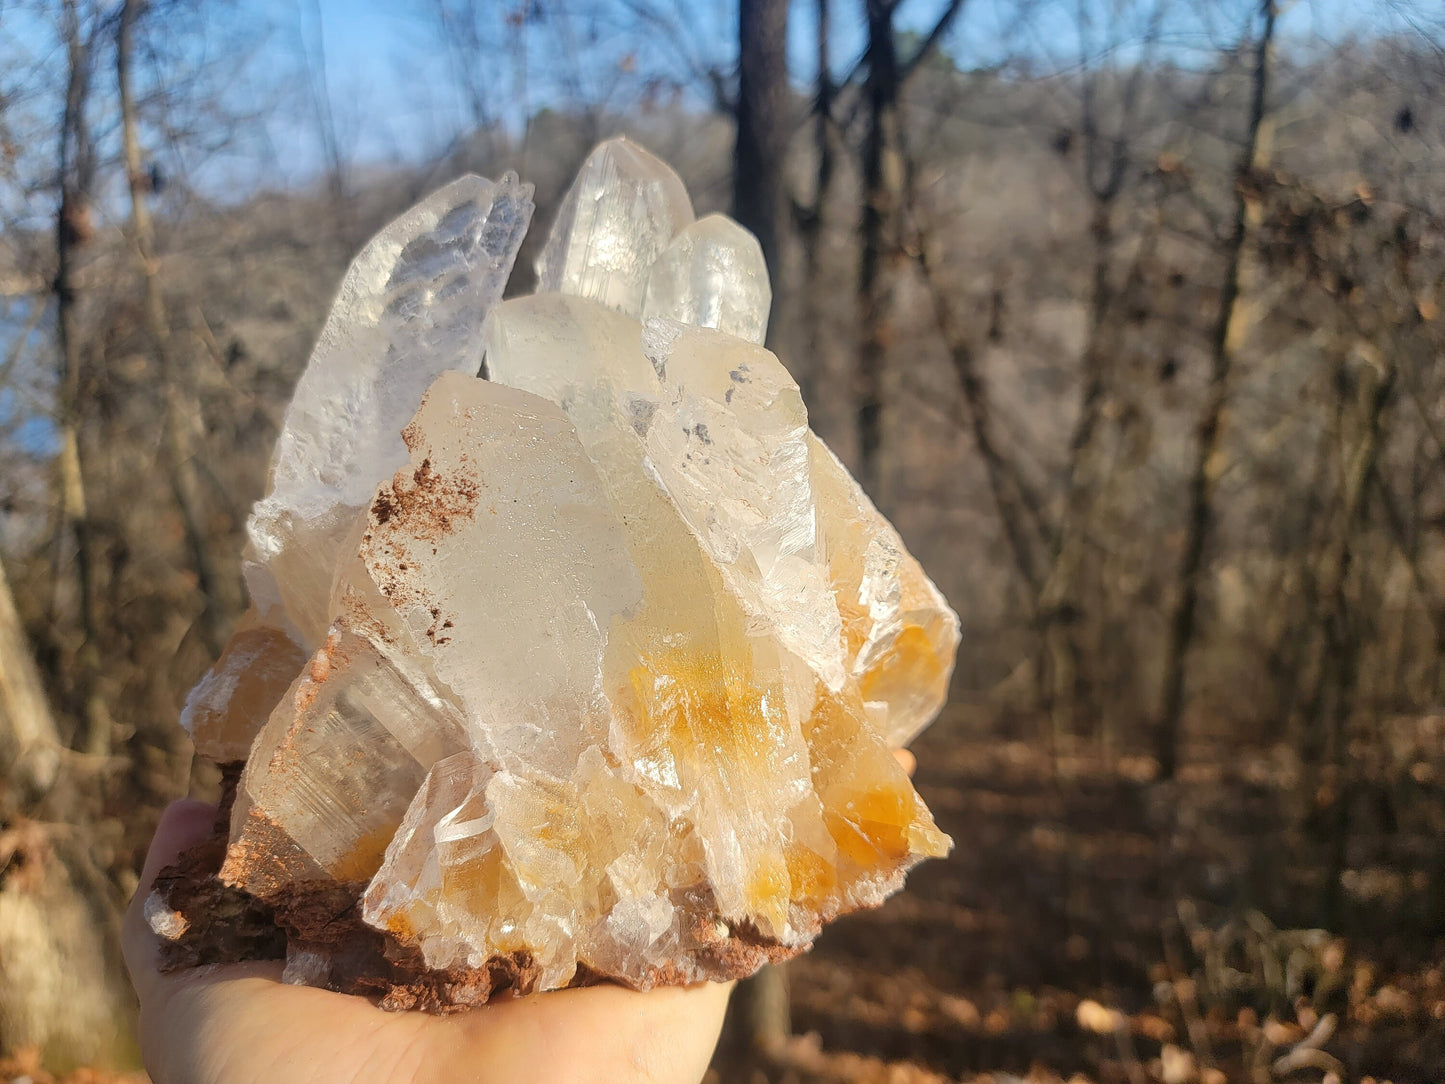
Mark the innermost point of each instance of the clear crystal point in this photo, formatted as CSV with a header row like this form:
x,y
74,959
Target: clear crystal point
x,y
617,218
410,307
712,275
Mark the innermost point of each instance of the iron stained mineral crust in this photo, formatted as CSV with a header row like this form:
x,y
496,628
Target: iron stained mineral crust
x,y
584,669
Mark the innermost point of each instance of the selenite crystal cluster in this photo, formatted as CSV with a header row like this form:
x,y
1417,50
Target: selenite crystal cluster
x,y
588,668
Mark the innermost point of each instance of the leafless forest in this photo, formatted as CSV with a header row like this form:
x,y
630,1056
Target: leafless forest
x,y
1134,328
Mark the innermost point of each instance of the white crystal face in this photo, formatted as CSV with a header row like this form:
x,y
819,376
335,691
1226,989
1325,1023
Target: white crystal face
x,y
615,657
712,275
411,306
619,215
729,443
499,551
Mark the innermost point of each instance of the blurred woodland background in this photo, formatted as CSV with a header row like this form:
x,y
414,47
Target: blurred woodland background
x,y
1126,311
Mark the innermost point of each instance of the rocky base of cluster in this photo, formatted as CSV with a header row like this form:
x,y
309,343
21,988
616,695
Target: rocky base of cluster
x,y
317,929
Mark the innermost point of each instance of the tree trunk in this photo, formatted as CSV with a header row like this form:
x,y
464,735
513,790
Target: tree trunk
x,y
881,95
761,145
1019,507
29,742
179,408
77,171
814,360
63,990
1332,700
1228,328
1322,729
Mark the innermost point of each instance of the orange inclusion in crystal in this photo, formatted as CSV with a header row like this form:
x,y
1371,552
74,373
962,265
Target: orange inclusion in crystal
x,y
697,711
401,926
364,859
911,662
813,877
475,886
711,719
767,890
869,818
872,828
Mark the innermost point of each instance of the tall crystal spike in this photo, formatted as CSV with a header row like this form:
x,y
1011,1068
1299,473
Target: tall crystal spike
x,y
712,275
410,307
618,216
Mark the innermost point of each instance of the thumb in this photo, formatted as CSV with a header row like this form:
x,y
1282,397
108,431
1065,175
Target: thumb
x,y
182,825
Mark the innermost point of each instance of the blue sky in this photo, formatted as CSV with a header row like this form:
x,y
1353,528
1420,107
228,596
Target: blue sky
x,y
392,93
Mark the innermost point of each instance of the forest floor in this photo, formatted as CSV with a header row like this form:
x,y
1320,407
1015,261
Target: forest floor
x,y
1094,925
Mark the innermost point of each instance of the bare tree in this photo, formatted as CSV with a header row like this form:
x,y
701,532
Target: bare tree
x,y
1107,126
60,990
80,33
759,149
1224,342
881,92
29,741
810,214
763,127
467,46
880,166
180,409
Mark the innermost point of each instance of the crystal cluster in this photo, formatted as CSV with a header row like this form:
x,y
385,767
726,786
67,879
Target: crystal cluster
x,y
591,666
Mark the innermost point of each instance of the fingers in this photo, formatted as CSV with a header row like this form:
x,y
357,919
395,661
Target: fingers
x,y
907,759
182,825
598,1034
239,1024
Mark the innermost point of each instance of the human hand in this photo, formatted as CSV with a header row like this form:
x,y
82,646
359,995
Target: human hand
x,y
239,1024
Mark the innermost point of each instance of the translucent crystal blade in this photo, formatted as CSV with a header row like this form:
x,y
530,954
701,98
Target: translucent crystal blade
x,y
410,307
334,770
500,553
712,275
899,632
589,361
228,706
618,216
729,442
